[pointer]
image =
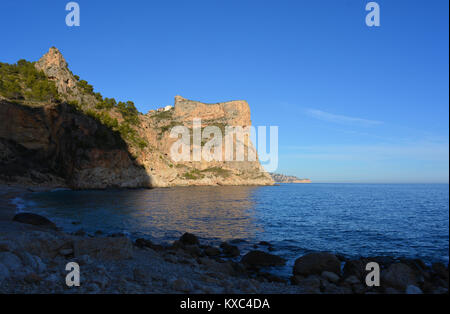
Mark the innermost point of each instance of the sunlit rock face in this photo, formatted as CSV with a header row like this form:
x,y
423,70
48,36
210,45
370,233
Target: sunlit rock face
x,y
72,145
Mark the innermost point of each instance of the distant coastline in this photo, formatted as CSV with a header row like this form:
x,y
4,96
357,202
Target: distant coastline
x,y
281,178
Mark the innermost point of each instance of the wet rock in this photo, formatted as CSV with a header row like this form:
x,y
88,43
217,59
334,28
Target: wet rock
x,y
229,250
262,259
35,220
189,239
331,277
211,251
104,248
413,290
316,263
264,243
98,233
141,243
398,276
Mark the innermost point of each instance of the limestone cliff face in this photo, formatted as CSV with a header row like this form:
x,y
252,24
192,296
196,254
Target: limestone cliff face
x,y
54,145
89,146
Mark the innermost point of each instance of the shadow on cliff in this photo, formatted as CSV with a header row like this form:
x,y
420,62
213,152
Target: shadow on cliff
x,y
56,144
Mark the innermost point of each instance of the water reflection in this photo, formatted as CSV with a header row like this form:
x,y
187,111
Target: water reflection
x,y
220,213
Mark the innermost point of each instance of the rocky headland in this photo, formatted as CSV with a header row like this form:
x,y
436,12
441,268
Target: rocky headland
x,y
58,132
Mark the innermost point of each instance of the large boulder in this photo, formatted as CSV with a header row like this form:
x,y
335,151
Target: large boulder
x,y
398,276
316,263
189,239
35,220
229,250
104,248
262,259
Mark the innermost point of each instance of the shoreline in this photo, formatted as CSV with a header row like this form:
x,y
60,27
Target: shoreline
x,y
185,266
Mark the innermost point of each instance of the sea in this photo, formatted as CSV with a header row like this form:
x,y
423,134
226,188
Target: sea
x,y
398,220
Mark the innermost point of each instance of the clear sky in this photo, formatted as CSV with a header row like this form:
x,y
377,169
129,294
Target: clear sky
x,y
353,103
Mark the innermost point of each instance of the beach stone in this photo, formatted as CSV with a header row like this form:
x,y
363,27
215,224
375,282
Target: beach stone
x,y
211,251
262,259
35,220
355,268
189,239
310,284
316,263
11,261
104,248
413,290
229,250
398,276
331,277
352,280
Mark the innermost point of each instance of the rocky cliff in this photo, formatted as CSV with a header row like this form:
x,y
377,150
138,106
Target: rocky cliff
x,y
57,131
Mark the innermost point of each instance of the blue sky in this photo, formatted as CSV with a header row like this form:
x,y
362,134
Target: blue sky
x,y
353,103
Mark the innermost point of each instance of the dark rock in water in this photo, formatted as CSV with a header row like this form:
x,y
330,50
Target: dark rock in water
x,y
399,276
80,233
76,223
35,220
270,249
141,243
194,250
272,278
262,259
189,239
237,241
229,250
98,233
264,243
211,251
117,235
316,263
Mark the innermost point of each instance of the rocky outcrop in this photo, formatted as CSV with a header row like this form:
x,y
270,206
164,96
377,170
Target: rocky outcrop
x,y
79,142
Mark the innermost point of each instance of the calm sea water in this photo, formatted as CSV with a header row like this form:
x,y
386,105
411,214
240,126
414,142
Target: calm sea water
x,y
351,219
